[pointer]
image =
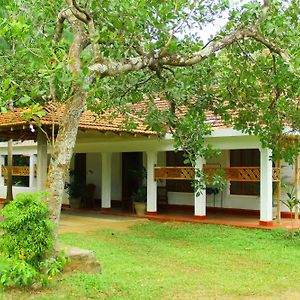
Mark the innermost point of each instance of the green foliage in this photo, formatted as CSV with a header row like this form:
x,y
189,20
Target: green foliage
x,y
245,84
16,272
28,232
217,181
27,243
184,261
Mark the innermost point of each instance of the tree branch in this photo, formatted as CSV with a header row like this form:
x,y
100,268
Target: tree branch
x,y
137,85
62,16
274,48
84,16
59,29
77,12
112,68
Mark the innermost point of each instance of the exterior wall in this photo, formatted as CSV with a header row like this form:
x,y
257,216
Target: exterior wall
x,y
93,171
24,148
287,177
176,198
93,175
225,140
223,198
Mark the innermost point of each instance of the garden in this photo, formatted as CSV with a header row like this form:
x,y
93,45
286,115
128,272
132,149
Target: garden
x,y
180,261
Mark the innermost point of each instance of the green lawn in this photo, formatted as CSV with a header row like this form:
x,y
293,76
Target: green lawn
x,y
182,261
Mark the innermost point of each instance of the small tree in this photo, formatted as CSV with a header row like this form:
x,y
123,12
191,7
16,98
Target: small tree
x,y
291,202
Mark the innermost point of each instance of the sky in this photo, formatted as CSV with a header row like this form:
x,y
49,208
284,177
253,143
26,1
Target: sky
x,y
212,28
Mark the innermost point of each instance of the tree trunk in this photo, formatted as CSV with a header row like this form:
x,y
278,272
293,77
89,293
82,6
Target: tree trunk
x,y
61,155
9,193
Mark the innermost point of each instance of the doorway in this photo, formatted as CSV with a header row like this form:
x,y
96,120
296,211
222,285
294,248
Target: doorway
x,y
132,170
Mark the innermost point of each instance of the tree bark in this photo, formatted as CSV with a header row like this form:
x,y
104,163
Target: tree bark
x,y
61,156
63,147
9,193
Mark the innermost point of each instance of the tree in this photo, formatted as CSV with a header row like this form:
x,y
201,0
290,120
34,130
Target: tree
x,y
104,54
9,167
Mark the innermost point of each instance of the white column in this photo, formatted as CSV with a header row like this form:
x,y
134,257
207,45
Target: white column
x,y
32,178
266,174
106,181
200,199
42,163
151,183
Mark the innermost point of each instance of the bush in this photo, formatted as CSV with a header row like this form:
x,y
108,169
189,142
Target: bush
x,y
16,273
27,243
28,232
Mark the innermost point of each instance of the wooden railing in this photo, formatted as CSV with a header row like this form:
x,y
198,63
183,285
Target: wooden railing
x,y
16,171
178,173
247,174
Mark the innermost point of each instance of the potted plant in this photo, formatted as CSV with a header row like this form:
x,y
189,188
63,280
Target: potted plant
x,y
75,189
139,199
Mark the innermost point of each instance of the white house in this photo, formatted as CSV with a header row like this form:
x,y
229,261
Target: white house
x,y
106,155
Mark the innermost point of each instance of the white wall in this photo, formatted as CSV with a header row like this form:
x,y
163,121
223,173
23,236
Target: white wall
x,y
93,171
177,198
19,148
223,198
93,174
287,177
95,146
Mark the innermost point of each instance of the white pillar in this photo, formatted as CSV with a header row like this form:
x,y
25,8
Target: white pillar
x,y
32,178
42,160
151,183
200,200
106,181
266,180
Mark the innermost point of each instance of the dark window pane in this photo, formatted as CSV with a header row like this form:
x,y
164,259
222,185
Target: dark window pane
x,y
176,159
244,158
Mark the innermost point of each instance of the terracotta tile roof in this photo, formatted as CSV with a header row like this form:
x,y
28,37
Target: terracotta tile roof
x,y
215,121
88,121
107,122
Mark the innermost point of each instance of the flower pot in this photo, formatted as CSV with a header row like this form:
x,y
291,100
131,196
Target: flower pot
x,y
140,208
75,202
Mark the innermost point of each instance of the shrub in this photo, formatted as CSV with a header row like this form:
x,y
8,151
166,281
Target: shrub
x,y
27,243
28,232
16,273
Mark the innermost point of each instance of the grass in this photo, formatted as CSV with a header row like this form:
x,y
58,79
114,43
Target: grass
x,y
182,261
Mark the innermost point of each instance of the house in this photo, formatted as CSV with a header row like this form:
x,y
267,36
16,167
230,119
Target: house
x,y
107,155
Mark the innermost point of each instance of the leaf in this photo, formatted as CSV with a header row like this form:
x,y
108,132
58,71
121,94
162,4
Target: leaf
x,y
24,100
3,110
41,113
6,84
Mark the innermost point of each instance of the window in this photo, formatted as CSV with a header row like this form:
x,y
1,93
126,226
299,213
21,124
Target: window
x,y
175,159
21,179
244,158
